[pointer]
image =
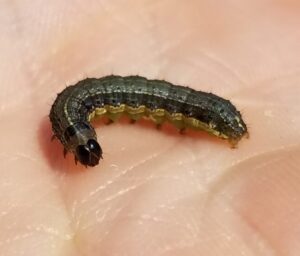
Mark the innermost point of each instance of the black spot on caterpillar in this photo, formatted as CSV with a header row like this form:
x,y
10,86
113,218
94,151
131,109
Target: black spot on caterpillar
x,y
138,97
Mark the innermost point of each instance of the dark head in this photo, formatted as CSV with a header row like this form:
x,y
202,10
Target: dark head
x,y
80,138
89,154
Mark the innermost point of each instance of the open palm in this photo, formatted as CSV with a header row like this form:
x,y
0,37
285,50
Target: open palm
x,y
155,192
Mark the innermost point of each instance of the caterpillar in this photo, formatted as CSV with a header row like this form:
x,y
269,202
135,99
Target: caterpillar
x,y
137,97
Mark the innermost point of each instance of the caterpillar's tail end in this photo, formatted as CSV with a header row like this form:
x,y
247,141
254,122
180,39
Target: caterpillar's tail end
x,y
234,142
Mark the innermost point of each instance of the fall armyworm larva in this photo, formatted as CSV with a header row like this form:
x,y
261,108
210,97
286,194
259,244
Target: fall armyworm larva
x,y
137,97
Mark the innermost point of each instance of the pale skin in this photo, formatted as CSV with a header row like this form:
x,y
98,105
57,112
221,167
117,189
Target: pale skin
x,y
155,192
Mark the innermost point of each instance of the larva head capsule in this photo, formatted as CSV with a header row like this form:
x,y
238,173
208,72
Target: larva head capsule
x,y
89,154
80,138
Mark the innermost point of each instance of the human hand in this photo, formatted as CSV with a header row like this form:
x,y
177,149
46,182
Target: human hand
x,y
164,194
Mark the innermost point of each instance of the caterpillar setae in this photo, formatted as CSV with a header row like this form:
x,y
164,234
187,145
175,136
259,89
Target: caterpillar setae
x,y
137,97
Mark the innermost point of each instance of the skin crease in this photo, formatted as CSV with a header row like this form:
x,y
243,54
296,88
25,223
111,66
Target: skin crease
x,y
164,194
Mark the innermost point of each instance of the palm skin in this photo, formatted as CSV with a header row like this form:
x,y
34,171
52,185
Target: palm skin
x,y
155,192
